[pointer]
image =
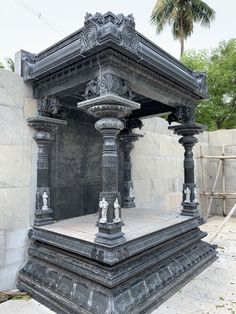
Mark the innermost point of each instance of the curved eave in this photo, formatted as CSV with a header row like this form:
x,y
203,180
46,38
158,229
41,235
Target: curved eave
x,y
68,51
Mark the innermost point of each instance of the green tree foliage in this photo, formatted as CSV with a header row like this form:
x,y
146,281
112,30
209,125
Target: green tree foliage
x,y
219,111
181,15
9,65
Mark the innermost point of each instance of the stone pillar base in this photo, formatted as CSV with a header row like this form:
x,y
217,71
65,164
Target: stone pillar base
x,y
129,202
190,210
190,202
109,233
43,217
110,238
71,275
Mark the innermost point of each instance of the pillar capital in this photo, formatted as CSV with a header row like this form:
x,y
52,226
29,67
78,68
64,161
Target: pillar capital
x,y
187,129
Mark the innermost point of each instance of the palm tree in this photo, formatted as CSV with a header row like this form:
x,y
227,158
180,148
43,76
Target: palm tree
x,y
181,15
10,64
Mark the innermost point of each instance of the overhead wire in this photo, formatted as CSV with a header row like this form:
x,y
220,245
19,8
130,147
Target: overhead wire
x,y
41,16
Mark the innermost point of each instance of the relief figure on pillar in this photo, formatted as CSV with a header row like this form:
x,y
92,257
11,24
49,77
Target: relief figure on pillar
x,y
103,205
117,212
195,200
131,193
187,192
45,201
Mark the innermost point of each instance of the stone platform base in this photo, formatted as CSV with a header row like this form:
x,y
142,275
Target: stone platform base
x,y
74,275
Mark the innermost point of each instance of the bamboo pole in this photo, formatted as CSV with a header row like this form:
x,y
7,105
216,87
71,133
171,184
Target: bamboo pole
x,y
213,189
223,223
203,185
218,157
219,193
223,180
220,198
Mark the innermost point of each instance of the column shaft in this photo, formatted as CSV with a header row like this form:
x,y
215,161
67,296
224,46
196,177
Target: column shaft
x,y
45,128
190,202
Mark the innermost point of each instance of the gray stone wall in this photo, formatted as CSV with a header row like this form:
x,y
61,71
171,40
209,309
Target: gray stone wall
x,y
17,174
157,166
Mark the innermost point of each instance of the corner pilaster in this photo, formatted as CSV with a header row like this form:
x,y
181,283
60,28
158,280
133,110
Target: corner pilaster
x,y
187,130
45,132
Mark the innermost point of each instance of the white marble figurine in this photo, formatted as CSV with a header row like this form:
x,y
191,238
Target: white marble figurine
x,y
117,212
187,192
131,192
45,201
195,201
103,204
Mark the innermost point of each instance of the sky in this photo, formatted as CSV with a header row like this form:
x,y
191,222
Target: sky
x,y
23,29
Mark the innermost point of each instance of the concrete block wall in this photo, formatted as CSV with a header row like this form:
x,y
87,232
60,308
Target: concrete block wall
x,y
17,177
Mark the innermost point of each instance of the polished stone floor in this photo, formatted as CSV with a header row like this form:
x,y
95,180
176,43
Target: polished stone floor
x,y
138,222
211,292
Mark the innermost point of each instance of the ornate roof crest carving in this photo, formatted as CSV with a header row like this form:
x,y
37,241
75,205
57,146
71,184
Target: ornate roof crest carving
x,y
123,28
108,83
182,114
51,107
201,82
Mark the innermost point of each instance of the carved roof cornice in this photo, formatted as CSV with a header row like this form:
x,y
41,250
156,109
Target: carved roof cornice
x,y
110,56
101,31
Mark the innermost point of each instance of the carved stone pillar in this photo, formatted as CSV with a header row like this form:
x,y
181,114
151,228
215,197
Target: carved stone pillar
x,y
128,140
45,128
109,108
187,130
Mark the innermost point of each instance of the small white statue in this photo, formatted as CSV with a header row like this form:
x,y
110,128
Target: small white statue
x,y
45,201
187,192
117,212
131,192
195,201
103,204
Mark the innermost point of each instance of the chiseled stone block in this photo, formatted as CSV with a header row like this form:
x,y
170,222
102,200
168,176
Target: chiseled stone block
x,y
221,137
15,169
8,276
15,208
12,125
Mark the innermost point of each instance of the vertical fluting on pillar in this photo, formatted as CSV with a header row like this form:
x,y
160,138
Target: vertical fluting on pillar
x,y
127,140
45,130
109,128
109,108
43,212
187,130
